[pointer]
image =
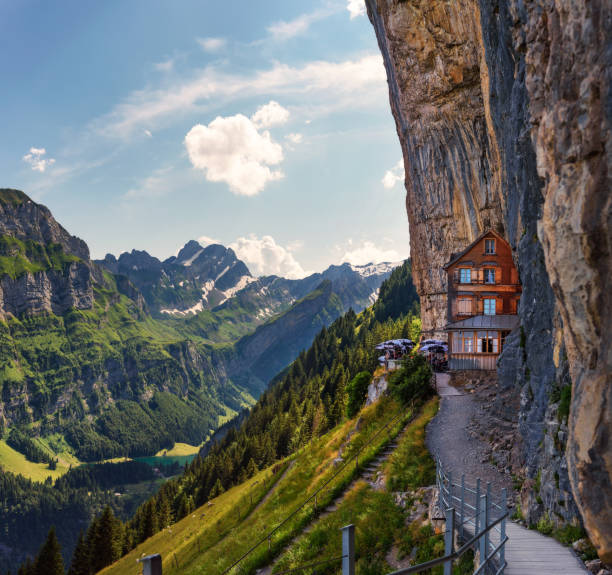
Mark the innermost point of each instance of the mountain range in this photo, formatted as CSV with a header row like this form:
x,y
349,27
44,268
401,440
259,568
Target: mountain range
x,y
126,356
200,278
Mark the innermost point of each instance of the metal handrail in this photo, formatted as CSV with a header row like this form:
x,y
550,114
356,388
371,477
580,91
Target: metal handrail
x,y
481,520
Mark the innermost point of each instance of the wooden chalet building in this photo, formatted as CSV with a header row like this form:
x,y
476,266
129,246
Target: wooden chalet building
x,y
483,295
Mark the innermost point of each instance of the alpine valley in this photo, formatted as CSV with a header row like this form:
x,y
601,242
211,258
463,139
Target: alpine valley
x,y
128,356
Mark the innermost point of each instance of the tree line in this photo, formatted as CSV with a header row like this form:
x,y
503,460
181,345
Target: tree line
x,y
321,387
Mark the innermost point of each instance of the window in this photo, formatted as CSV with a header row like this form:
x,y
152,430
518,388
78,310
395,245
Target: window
x,y
489,306
488,341
464,306
489,275
468,342
465,275
463,342
489,246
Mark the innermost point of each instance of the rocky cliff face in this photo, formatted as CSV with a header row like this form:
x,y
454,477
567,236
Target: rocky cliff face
x,y
503,113
47,269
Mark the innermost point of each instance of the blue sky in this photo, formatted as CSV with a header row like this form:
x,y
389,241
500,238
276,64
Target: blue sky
x,y
261,125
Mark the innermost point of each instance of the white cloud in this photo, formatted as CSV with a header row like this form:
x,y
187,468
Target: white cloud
x,y
207,240
367,252
394,175
153,186
233,151
356,8
165,65
148,133
36,160
285,30
264,256
295,138
271,114
211,44
350,84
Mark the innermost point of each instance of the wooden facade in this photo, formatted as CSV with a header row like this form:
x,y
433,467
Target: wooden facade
x,y
483,295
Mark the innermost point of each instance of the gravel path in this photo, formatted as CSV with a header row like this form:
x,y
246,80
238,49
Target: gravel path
x,y
449,436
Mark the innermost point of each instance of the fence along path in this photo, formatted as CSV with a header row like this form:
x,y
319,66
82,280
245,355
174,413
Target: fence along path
x,y
527,552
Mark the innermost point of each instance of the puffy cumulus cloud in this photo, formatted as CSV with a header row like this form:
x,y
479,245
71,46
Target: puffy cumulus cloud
x,y
394,175
356,8
366,252
264,256
232,150
211,44
270,114
35,157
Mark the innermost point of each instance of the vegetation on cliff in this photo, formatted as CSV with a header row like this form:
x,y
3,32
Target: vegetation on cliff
x,y
304,403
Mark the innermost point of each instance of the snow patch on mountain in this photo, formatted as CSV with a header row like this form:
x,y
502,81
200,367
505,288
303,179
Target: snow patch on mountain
x,y
368,270
243,282
189,261
183,312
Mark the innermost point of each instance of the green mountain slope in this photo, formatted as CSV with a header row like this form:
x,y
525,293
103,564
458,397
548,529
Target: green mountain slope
x,y
305,402
81,357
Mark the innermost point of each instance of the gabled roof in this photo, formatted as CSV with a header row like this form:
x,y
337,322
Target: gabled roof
x,y
456,257
486,322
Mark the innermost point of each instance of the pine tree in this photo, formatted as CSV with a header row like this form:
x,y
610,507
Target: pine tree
x,y
81,563
150,520
49,559
106,541
163,510
251,468
27,568
216,490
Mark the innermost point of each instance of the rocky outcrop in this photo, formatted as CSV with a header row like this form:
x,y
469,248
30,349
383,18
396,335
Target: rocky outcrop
x,y
503,111
53,291
51,269
24,219
569,80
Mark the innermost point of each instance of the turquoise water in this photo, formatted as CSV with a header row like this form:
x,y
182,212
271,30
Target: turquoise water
x,y
155,461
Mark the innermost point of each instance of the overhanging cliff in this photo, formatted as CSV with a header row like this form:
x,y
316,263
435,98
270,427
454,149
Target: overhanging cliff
x,y
503,113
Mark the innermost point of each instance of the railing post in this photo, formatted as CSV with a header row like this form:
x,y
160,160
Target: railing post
x,y
348,550
502,531
462,508
477,510
482,542
448,539
488,515
450,490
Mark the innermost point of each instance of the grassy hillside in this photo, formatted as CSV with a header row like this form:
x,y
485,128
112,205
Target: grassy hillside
x,y
304,403
217,533
114,384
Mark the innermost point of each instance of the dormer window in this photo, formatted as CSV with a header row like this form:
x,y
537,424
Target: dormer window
x,y
465,275
489,246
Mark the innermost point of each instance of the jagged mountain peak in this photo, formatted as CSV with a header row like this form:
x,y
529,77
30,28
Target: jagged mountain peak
x,y
24,219
371,268
187,253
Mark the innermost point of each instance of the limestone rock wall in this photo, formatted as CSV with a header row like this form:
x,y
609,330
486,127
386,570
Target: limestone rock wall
x,y
502,109
51,291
